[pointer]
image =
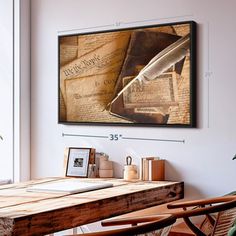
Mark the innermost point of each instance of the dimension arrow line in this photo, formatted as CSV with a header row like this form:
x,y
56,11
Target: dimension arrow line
x,y
85,28
84,135
116,137
157,19
154,139
120,23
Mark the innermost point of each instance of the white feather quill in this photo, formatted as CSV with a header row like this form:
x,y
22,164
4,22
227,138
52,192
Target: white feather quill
x,y
161,62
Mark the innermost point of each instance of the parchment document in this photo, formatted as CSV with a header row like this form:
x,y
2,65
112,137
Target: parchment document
x,y
87,83
68,49
181,113
164,99
160,92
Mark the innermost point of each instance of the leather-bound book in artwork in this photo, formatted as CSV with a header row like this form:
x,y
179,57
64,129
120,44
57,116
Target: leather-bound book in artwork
x,y
140,102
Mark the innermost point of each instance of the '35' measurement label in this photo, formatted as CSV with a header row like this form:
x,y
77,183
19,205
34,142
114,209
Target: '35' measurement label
x,y
115,137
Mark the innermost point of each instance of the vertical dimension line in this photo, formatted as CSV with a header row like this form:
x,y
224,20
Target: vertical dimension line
x,y
208,78
13,90
30,86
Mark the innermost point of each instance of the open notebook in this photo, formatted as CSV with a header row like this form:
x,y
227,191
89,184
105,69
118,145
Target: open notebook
x,y
68,186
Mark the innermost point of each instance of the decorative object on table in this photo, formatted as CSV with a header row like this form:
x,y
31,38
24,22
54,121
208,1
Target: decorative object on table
x,y
78,160
143,75
234,157
152,169
105,166
130,170
69,185
92,171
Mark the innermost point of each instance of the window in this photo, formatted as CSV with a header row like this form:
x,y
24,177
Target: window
x,y
6,89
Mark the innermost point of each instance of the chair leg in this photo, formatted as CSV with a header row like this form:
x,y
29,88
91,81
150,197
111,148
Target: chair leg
x,y
193,227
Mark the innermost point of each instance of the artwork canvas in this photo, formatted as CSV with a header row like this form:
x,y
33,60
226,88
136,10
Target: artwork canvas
x,y
133,76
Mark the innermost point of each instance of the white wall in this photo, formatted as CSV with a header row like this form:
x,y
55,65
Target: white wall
x,y
203,162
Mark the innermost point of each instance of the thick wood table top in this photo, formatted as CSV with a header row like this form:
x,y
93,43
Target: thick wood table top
x,y
31,213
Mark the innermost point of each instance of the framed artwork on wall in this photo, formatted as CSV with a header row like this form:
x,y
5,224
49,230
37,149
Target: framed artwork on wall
x,y
133,76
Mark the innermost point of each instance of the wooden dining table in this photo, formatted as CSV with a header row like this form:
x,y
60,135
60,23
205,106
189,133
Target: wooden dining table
x,y
40,213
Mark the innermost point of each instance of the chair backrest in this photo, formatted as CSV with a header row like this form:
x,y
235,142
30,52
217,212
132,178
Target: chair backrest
x,y
224,222
224,219
220,214
149,226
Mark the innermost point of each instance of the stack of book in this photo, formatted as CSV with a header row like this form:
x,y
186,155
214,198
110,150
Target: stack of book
x,y
152,169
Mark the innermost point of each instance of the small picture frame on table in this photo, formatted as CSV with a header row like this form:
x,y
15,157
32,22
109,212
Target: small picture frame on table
x,y
78,162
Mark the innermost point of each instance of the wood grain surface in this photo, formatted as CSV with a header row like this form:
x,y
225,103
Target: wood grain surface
x,y
32,213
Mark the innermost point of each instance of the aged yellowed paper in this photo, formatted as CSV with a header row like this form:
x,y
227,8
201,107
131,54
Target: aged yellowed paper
x,y
156,93
87,98
136,75
87,83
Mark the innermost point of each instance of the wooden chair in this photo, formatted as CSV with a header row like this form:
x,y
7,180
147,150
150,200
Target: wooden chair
x,y
220,214
158,225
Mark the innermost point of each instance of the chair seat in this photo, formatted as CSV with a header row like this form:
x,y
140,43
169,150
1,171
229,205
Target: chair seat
x,y
180,229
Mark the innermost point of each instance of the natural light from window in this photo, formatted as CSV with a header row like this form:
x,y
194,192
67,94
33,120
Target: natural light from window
x,y
6,90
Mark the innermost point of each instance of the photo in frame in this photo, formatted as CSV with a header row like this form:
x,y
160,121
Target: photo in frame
x,y
78,162
135,76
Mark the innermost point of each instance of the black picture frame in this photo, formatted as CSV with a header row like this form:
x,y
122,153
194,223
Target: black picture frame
x,y
78,162
97,76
